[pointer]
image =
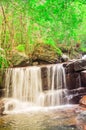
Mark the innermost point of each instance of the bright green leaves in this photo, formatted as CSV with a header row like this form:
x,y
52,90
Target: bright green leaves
x,y
51,42
25,23
63,18
21,47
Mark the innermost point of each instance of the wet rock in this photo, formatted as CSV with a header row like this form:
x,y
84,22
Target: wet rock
x,y
82,101
2,93
75,95
81,120
44,76
82,117
7,104
73,80
1,107
76,79
76,66
83,78
80,65
77,91
74,99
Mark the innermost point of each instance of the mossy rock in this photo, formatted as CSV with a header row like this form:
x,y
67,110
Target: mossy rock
x,y
45,53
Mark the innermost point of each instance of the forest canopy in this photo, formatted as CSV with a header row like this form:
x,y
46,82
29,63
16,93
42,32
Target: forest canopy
x,y
25,23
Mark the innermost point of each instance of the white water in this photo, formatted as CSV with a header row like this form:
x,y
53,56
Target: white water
x,y
26,85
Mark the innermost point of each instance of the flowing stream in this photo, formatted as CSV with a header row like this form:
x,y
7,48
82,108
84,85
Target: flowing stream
x,y
34,99
26,85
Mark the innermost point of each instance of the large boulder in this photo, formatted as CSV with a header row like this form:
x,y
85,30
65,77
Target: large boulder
x,y
76,66
45,54
76,79
19,60
41,54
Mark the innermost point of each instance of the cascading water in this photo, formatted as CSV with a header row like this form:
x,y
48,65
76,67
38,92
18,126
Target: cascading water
x,y
23,83
26,85
56,81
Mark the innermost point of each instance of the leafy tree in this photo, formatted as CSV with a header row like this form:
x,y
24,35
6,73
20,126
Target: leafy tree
x,y
25,23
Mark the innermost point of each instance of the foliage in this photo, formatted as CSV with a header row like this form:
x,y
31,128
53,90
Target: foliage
x,y
3,60
24,23
21,48
83,47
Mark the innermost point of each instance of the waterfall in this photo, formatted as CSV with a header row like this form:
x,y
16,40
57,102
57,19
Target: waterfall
x,y
26,84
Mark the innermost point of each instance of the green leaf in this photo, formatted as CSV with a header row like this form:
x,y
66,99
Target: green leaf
x,y
21,47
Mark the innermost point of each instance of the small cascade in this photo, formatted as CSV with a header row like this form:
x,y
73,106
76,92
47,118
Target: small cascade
x,y
56,83
26,85
23,84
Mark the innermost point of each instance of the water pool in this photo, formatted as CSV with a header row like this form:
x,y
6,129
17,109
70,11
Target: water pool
x,y
48,119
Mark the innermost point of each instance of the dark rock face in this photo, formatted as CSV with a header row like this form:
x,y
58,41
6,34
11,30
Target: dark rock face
x,y
76,66
83,78
75,95
44,78
76,80
80,65
73,80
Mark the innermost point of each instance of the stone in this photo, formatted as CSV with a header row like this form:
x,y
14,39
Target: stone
x,y
74,95
2,92
69,67
82,101
19,60
83,78
80,65
82,116
7,105
76,66
45,54
81,90
81,120
44,78
73,80
64,58
1,107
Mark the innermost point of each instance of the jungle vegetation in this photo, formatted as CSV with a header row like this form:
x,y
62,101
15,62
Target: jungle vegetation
x,y
27,23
